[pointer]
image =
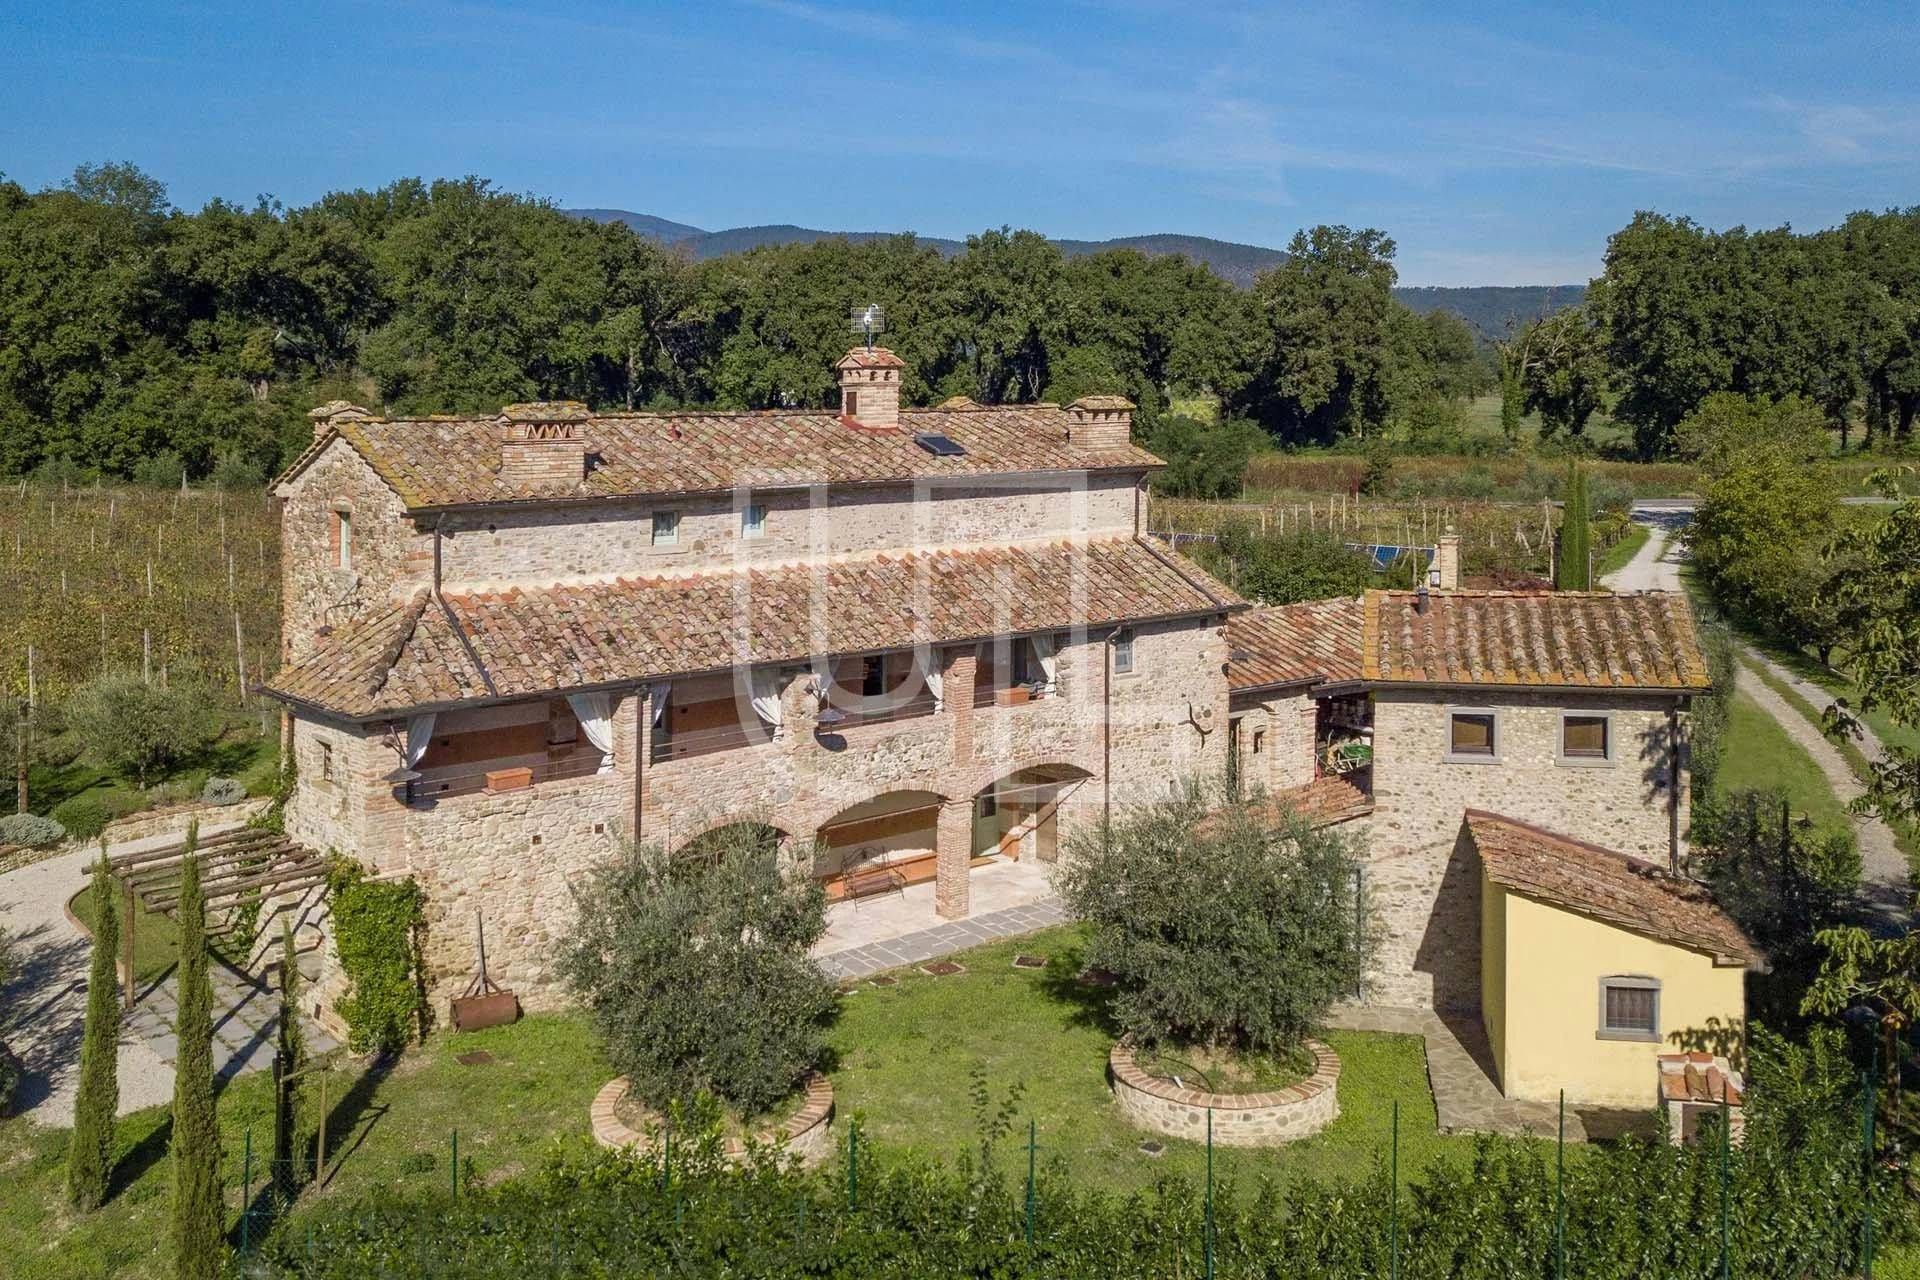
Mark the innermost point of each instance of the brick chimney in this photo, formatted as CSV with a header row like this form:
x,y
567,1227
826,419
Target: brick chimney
x,y
870,387
545,445
1446,562
1100,423
335,411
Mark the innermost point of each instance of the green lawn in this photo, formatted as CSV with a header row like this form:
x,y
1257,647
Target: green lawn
x,y
395,1128
1623,551
901,1061
905,1055
241,752
1760,756
156,939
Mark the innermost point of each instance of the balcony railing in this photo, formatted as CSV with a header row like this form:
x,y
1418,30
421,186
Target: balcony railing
x,y
497,776
839,719
706,742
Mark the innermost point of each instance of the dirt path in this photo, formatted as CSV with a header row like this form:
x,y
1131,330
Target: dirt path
x,y
1886,881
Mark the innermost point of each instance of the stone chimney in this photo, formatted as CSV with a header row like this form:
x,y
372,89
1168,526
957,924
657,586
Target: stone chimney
x,y
870,387
545,445
1446,562
335,411
1100,424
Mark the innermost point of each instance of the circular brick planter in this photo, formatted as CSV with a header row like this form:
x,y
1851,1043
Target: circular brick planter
x,y
802,1135
1239,1119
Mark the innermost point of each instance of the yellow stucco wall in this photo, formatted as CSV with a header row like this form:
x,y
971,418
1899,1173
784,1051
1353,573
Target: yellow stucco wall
x,y
1493,969
1542,1007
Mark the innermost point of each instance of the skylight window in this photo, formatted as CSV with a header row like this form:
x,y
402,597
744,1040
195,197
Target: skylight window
x,y
938,445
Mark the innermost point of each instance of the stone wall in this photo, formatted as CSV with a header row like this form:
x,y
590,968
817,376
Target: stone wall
x,y
389,555
1281,756
513,856
1422,874
617,537
1237,1119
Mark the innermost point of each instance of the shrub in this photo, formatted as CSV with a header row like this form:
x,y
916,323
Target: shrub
x,y
376,929
137,729
233,469
696,973
1225,925
31,829
224,791
1282,568
84,816
1205,459
163,470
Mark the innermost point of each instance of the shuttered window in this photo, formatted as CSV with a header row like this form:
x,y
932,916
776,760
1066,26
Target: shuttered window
x,y
1629,1009
1471,733
1583,737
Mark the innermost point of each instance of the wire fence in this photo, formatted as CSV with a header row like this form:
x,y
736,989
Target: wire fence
x,y
834,1198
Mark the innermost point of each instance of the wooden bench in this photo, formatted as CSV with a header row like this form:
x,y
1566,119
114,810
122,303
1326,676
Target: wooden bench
x,y
870,883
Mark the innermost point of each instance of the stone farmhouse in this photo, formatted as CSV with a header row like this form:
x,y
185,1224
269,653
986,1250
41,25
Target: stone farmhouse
x,y
913,648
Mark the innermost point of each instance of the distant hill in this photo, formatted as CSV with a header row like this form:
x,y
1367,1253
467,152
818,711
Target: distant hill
x,y
1485,308
1488,309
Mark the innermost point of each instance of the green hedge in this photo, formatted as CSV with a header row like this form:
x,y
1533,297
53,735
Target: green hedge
x,y
1794,1209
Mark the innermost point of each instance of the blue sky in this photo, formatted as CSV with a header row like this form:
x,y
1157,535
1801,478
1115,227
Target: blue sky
x,y
1499,145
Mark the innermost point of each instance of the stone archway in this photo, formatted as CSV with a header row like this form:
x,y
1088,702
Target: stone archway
x,y
888,841
1018,814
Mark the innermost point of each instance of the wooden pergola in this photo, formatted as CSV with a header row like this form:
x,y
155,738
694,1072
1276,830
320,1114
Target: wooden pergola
x,y
236,867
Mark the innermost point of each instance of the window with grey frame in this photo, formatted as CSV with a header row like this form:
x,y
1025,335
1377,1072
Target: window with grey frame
x,y
1123,653
1473,735
1629,1008
1586,737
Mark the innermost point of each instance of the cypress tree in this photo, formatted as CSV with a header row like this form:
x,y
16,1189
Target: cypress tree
x,y
1576,525
90,1157
199,1212
289,1056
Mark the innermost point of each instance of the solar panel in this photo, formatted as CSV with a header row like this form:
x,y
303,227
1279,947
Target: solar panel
x,y
938,445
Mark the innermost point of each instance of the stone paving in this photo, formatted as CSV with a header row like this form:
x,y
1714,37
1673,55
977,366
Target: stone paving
x,y
43,1009
943,939
1465,1099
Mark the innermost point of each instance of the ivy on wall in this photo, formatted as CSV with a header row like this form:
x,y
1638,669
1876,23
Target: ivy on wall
x,y
376,929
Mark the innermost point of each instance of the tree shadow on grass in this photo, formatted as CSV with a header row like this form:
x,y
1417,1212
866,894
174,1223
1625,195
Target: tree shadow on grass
x,y
137,1159
345,1132
1085,996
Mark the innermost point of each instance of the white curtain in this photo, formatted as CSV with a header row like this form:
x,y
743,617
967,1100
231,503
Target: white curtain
x,y
765,684
594,711
419,737
936,681
1049,665
657,699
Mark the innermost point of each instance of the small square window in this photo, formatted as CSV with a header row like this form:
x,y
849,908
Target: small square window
x,y
1123,653
1629,1009
1472,734
753,521
1585,737
666,528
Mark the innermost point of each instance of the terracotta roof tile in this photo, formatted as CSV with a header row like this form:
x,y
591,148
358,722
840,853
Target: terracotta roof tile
x,y
1643,640
445,461
1307,643
537,640
1612,887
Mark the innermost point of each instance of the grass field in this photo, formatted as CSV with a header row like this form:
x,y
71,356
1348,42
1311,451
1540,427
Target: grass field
x,y
904,1055
900,1060
1762,757
156,939
1623,551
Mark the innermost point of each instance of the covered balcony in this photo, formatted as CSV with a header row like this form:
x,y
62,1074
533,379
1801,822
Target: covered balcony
x,y
503,748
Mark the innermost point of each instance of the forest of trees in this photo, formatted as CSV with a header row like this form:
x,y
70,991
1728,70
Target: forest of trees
x,y
140,340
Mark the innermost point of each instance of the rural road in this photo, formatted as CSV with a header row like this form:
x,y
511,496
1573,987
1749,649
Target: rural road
x,y
1886,882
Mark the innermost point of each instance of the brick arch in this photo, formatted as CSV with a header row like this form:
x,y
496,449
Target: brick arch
x,y
821,811
708,828
987,774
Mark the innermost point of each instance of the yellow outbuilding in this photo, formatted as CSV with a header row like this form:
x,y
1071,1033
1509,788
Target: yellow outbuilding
x,y
1593,963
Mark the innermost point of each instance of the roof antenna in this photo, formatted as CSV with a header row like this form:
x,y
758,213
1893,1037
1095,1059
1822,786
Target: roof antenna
x,y
868,320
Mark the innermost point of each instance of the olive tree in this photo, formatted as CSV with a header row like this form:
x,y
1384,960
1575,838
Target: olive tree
x,y
1224,922
138,729
695,971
